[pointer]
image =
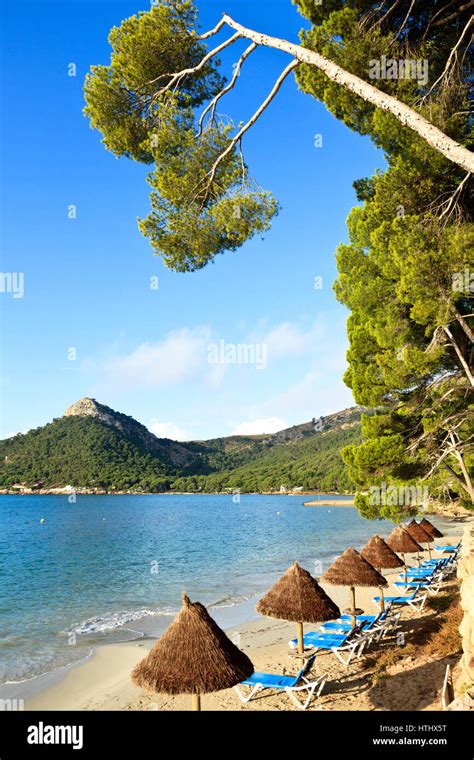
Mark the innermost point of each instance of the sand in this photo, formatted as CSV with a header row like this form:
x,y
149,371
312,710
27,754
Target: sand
x,y
103,681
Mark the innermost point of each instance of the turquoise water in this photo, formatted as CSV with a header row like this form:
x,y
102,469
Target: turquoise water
x,y
96,570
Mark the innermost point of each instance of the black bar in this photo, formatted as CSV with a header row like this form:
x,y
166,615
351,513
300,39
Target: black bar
x,y
156,734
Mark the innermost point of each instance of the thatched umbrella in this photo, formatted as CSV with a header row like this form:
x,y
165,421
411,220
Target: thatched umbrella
x,y
382,557
298,597
350,569
402,542
421,535
194,656
430,528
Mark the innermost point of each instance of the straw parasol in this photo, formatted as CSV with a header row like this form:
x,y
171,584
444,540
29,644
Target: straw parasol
x,y
421,535
430,528
402,542
350,569
382,557
194,656
298,597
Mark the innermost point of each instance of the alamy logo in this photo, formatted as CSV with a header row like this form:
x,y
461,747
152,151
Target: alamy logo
x,y
12,282
12,704
42,734
398,496
237,353
403,68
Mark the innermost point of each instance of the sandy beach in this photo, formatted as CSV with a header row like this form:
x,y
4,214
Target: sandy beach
x,y
410,683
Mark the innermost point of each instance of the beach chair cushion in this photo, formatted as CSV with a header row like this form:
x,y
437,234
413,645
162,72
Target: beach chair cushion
x,y
271,681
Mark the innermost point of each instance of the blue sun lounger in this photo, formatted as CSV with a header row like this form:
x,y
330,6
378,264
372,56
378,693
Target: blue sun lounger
x,y
413,600
432,587
343,645
344,623
447,547
293,686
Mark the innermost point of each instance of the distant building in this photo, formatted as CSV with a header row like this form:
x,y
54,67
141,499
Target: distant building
x,y
283,489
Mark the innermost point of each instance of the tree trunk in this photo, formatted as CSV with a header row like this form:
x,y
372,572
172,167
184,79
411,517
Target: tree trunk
x,y
461,358
464,323
451,149
465,473
465,485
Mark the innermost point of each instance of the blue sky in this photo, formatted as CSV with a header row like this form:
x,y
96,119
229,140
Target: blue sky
x,y
89,324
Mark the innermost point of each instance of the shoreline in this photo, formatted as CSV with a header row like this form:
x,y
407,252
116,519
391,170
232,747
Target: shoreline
x,y
83,491
82,684
148,630
103,681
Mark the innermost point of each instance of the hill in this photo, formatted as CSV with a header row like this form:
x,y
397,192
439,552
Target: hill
x,y
93,446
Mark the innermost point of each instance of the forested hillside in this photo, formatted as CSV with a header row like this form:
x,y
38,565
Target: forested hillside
x,y
93,446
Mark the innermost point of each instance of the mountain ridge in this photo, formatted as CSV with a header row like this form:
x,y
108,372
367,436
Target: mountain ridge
x,y
94,446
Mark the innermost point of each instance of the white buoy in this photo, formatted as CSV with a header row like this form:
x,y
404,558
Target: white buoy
x,y
42,520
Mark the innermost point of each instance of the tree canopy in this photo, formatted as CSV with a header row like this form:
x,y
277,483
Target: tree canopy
x,y
193,216
406,273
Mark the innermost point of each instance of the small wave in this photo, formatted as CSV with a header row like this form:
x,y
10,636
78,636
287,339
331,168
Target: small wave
x,y
112,620
229,601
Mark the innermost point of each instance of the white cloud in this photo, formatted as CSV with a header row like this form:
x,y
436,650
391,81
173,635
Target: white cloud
x,y
168,430
180,356
320,389
259,426
288,339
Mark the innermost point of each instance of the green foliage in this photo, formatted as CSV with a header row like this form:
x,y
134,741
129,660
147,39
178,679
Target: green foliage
x,y
198,209
119,97
313,462
192,218
86,452
81,451
409,242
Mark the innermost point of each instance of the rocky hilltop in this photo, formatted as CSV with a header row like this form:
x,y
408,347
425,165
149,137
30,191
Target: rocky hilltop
x,y
178,455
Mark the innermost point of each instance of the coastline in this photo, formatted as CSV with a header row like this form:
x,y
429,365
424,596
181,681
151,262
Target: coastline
x,y
101,680
84,491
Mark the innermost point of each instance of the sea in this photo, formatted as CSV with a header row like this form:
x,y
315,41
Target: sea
x,y
112,568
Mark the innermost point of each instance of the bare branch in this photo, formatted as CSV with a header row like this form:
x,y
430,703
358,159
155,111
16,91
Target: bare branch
x,y
404,22
434,342
387,13
459,355
456,13
179,75
450,59
432,19
451,202
211,174
406,115
461,318
441,142
370,14
214,101
457,477
212,31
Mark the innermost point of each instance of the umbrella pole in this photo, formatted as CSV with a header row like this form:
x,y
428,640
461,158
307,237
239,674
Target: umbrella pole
x,y
404,568
300,638
429,551
195,701
353,601
382,600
